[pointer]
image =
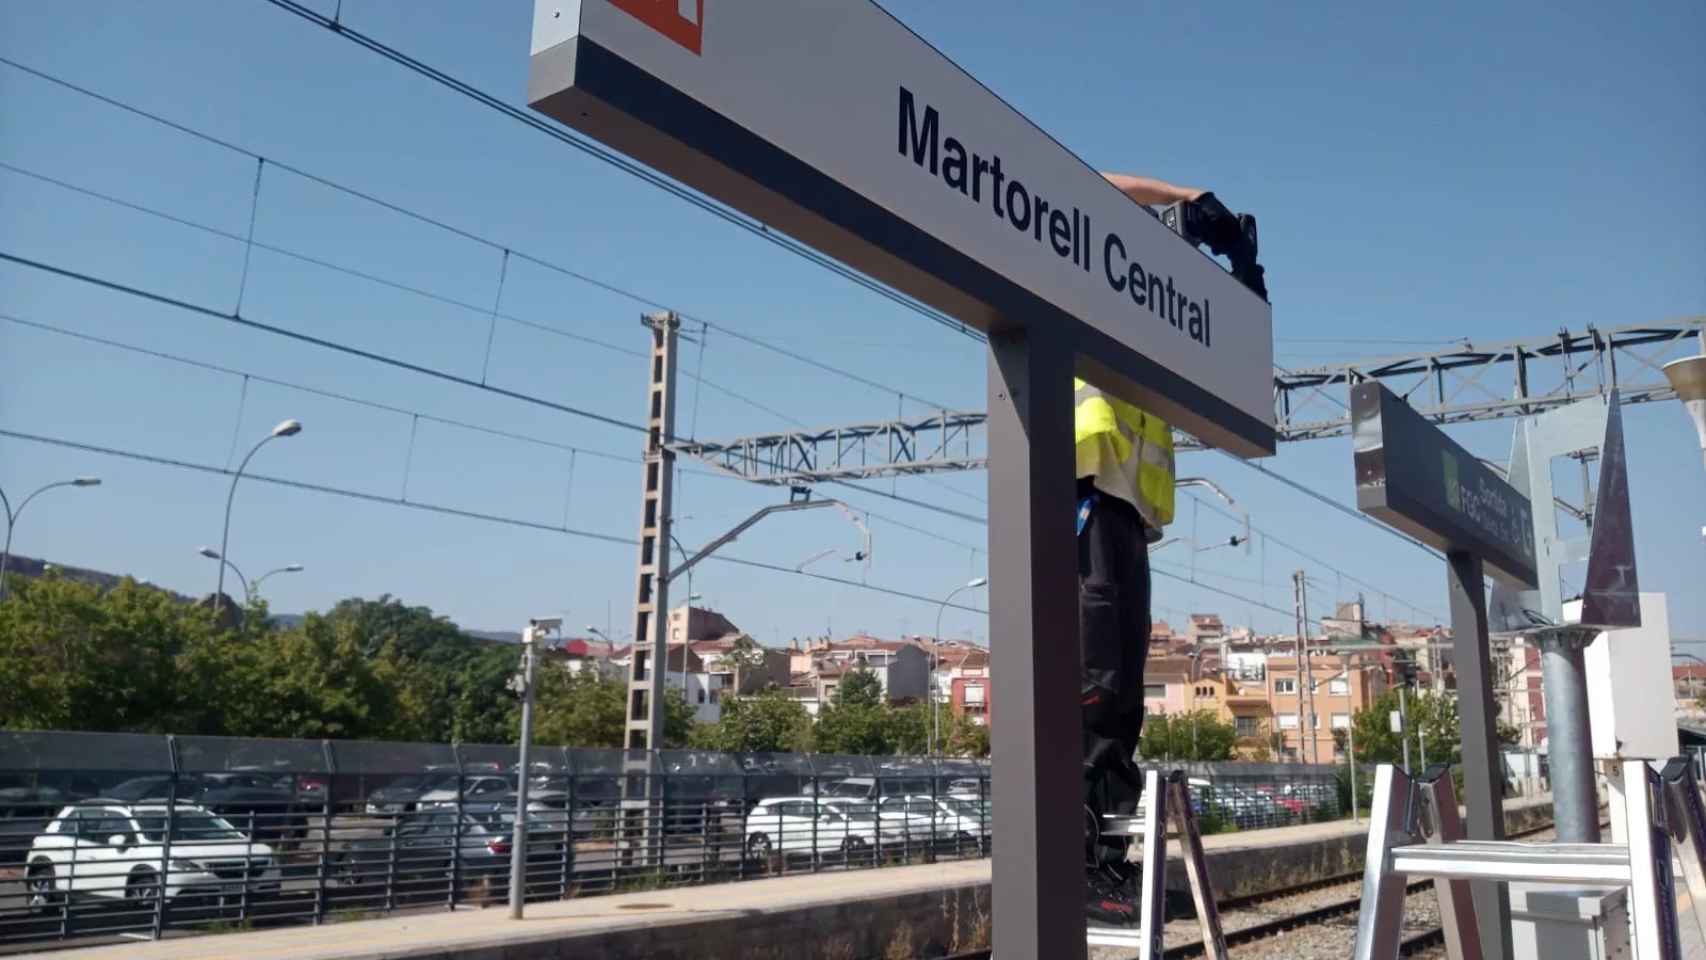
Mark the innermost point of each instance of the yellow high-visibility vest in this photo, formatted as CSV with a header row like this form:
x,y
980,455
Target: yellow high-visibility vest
x,y
1127,452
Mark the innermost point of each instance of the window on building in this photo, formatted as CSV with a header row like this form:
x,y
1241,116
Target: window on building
x,y
701,694
973,694
1247,726
1341,686
1287,721
1285,684
1341,721
713,696
1154,691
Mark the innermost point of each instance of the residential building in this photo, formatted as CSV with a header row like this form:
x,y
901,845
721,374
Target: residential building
x,y
1306,710
1522,704
902,668
970,697
1205,629
748,673
688,624
687,673
581,653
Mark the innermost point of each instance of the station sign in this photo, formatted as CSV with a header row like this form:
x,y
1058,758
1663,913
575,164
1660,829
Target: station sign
x,y
1413,477
830,121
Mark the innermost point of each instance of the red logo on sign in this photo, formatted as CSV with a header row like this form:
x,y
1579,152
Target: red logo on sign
x,y
680,20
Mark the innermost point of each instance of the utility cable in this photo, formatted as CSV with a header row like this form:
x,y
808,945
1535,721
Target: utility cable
x,y
372,278
626,165
465,234
457,512
187,306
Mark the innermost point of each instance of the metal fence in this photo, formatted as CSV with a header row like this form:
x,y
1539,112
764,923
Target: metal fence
x,y
109,834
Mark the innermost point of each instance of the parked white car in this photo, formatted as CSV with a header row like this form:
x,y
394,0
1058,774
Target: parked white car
x,y
916,816
119,851
963,817
474,790
800,825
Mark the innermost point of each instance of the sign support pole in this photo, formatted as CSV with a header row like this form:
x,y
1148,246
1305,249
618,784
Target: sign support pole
x,y
1039,902
1483,767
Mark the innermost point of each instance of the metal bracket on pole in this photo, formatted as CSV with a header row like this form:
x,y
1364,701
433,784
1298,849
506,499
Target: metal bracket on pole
x,y
1164,802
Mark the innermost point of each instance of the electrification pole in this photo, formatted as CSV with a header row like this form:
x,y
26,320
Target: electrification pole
x,y
648,663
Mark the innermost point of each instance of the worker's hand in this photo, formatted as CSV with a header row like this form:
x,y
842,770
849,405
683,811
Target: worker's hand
x,y
1148,190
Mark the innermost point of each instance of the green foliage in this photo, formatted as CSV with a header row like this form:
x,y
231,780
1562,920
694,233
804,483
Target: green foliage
x,y
859,688
1193,735
1432,715
136,659
770,722
587,709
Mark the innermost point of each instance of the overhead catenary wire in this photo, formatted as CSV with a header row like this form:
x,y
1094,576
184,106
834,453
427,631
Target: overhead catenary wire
x,y
573,449
375,279
212,312
456,512
624,164
468,234
400,364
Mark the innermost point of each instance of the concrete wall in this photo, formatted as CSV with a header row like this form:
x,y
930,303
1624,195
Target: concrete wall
x,y
918,924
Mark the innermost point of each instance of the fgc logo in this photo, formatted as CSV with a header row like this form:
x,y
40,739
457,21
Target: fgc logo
x,y
680,20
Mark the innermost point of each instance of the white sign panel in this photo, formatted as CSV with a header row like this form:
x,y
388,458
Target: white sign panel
x,y
831,120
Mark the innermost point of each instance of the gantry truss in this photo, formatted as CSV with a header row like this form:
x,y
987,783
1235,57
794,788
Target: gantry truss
x,y
1467,383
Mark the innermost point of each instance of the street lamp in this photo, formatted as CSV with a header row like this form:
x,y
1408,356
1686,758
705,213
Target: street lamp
x,y
213,554
1688,378
287,568
288,428
12,518
935,644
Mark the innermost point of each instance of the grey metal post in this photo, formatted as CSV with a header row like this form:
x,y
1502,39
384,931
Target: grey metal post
x,y
1404,726
1564,685
1039,885
518,849
1483,770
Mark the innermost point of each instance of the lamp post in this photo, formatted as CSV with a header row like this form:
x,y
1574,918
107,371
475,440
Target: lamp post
x,y
12,517
935,644
288,428
287,568
213,554
1688,378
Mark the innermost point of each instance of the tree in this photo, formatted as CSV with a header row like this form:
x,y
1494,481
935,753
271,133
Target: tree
x,y
967,739
859,687
1431,715
1193,735
587,709
770,722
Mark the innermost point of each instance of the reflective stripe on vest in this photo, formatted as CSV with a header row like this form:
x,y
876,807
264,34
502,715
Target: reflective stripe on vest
x,y
1133,434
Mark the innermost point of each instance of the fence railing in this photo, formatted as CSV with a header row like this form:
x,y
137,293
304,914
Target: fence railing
x,y
108,834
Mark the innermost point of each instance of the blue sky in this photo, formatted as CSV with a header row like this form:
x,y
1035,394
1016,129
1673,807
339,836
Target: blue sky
x,y
1481,171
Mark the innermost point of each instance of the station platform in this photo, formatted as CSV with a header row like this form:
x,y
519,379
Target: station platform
x,y
930,910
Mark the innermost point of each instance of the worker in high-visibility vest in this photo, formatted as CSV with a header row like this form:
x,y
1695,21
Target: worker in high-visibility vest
x,y
1125,497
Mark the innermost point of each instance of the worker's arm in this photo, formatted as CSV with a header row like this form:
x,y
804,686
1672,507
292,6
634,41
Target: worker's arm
x,y
1152,191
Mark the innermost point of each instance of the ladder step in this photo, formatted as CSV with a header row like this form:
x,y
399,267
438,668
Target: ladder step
x,y
1098,935
1123,824
1598,863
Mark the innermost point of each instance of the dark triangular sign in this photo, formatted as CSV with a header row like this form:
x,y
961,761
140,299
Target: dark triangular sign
x,y
1611,596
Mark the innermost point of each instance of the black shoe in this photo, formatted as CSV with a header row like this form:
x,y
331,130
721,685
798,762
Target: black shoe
x,y
1110,900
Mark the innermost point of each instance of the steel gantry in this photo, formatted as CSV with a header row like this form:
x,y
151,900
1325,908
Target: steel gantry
x,y
1445,386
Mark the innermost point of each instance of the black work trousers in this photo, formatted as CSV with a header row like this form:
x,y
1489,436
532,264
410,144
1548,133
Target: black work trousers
x,y
1113,639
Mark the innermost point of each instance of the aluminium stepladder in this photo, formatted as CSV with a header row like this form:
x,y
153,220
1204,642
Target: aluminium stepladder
x,y
1415,831
1686,815
1165,801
